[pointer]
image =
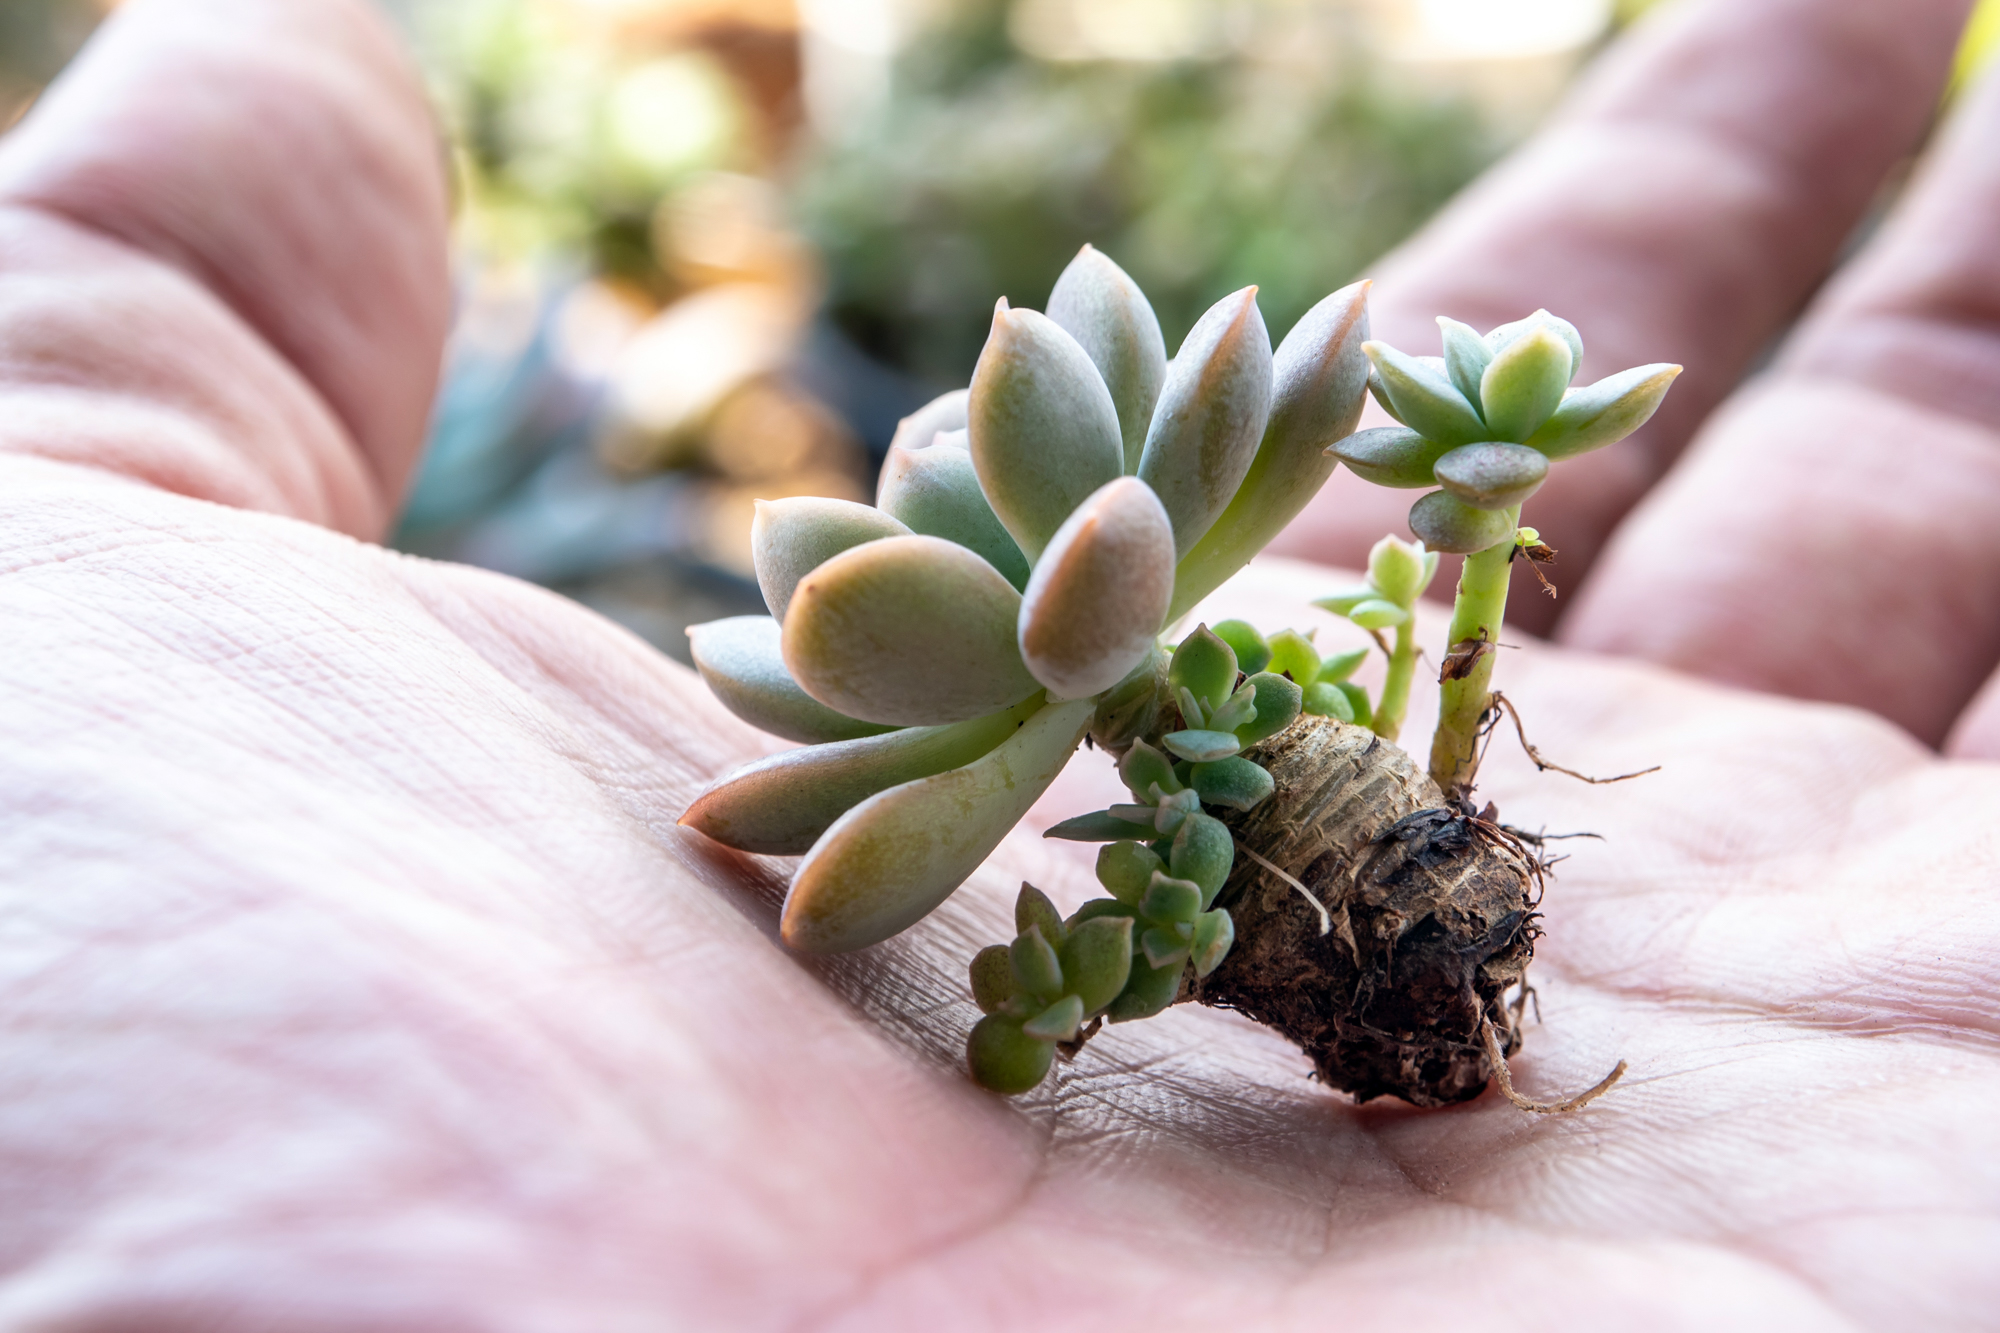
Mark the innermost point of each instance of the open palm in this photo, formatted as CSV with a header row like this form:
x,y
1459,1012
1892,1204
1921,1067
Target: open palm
x,y
353,971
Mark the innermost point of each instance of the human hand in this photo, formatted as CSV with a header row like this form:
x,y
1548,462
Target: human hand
x,y
355,973
1830,534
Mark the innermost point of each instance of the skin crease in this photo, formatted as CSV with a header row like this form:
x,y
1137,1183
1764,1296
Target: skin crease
x,y
353,972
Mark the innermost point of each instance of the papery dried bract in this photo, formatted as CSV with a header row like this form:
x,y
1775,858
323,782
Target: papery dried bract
x,y
889,861
1210,417
1043,427
917,631
742,664
935,492
1605,412
1096,303
1097,598
1319,379
792,537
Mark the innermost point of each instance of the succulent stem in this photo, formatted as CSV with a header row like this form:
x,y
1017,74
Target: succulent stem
x,y
1395,700
1476,616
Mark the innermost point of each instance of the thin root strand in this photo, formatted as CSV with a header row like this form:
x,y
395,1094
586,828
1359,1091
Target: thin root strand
x,y
1500,1072
1325,917
1499,700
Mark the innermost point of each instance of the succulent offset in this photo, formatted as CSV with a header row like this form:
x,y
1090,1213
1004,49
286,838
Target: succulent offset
x,y
941,654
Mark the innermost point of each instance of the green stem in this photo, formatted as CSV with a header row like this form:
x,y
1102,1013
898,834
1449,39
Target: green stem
x,y
1476,614
1396,685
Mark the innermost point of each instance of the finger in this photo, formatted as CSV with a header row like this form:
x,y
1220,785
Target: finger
x,y
230,215
1836,534
1681,207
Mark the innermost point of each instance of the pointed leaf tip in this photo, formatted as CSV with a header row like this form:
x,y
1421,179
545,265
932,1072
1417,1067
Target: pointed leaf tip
x,y
1099,594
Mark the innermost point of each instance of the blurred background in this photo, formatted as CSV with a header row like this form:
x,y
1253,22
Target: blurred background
x,y
709,251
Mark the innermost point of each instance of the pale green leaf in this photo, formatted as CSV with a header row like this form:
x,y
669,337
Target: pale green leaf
x,y
781,804
935,492
1422,398
1524,384
1096,303
889,861
919,429
742,664
1393,456
1605,412
1044,431
1210,417
911,630
790,538
1094,604
1493,476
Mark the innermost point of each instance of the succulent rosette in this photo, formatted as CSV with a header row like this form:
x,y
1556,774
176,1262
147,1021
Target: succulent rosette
x,y
939,655
1484,421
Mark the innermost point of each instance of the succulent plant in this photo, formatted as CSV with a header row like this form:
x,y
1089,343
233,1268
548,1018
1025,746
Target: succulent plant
x,y
1483,423
940,654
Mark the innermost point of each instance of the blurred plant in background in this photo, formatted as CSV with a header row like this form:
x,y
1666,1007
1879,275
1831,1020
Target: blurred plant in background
x,y
37,38
1204,146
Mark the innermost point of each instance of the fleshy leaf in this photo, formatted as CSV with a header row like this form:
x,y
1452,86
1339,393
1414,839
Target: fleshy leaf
x,y
1377,613
1201,746
1163,948
1093,606
1329,700
1250,647
1169,899
1097,960
1099,826
1393,456
1340,603
1422,398
781,804
1206,667
1447,523
1044,430
1340,666
1058,1022
790,538
1210,417
1203,853
889,861
1239,712
1401,570
1096,303
992,978
1605,412
919,429
1143,767
911,630
1214,932
1499,339
1357,702
1236,782
1036,968
1126,868
1147,992
1319,380
1492,476
1465,357
743,665
1524,384
1129,709
1278,704
1005,1059
1292,654
1033,908
935,492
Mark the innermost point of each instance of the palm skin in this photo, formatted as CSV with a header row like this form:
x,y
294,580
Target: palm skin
x,y
354,971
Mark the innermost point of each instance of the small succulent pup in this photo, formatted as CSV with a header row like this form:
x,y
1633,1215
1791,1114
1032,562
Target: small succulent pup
x,y
941,654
